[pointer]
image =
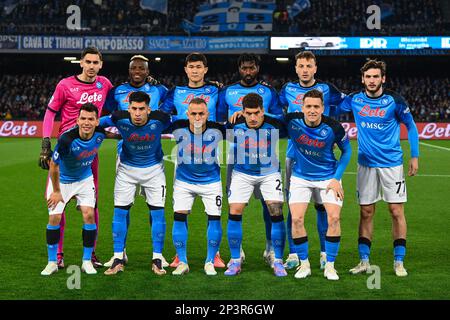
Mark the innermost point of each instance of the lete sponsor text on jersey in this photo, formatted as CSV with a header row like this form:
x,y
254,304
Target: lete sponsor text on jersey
x,y
91,98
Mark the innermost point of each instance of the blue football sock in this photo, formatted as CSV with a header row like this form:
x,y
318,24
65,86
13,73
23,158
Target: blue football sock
x,y
267,224
119,228
301,247
322,225
364,245
234,233
332,247
213,236
158,225
289,233
128,227
399,250
89,236
180,235
278,236
52,235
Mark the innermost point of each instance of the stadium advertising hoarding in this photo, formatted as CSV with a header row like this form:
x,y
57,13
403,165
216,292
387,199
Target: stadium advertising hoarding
x,y
347,45
170,44
34,129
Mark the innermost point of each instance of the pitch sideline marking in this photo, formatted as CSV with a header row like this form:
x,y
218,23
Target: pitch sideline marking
x,y
434,146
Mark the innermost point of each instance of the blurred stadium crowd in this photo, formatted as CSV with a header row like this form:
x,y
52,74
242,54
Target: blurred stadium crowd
x,y
126,17
26,96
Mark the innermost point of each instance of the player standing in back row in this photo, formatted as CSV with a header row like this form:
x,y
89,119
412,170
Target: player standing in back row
x,y
70,94
231,107
291,95
378,114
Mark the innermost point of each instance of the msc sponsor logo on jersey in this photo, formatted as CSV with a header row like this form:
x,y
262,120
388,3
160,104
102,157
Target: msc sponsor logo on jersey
x,y
261,90
99,85
372,125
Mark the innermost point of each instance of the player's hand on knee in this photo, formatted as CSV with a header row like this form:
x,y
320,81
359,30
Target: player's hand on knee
x,y
235,116
54,199
337,189
413,166
46,154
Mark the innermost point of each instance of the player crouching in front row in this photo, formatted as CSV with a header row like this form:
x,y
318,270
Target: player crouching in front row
x,y
71,176
316,174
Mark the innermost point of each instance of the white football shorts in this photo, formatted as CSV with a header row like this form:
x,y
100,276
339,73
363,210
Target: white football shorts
x,y
83,191
374,184
242,186
184,195
151,179
301,191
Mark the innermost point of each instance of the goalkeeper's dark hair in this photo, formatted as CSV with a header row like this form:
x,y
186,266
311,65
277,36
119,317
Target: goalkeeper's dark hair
x,y
313,94
252,101
249,57
91,50
139,96
89,107
374,64
195,57
308,55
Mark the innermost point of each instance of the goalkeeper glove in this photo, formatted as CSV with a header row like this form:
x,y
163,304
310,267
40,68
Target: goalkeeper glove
x,y
46,154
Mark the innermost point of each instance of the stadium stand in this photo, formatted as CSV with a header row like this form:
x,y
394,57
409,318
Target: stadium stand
x,y
126,17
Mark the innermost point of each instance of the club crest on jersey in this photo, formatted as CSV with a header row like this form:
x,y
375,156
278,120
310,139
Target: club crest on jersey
x,y
207,90
384,101
261,90
99,85
153,126
323,132
320,88
99,140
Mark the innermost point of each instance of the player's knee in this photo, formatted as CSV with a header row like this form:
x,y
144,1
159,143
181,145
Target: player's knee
x,y
54,220
319,207
397,212
275,209
297,222
367,212
334,219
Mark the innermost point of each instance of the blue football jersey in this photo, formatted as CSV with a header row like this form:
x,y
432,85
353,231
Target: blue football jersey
x,y
118,99
230,100
179,97
291,96
141,144
378,123
197,156
254,151
75,155
312,147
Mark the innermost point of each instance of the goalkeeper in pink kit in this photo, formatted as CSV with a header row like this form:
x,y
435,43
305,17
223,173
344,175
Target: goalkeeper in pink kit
x,y
70,94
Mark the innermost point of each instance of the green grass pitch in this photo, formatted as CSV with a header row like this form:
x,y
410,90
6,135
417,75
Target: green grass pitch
x,y
23,249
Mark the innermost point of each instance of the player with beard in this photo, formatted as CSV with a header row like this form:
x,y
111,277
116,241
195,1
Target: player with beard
x,y
378,113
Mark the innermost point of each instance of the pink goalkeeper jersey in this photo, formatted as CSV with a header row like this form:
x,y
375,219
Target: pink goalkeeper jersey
x,y
71,93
